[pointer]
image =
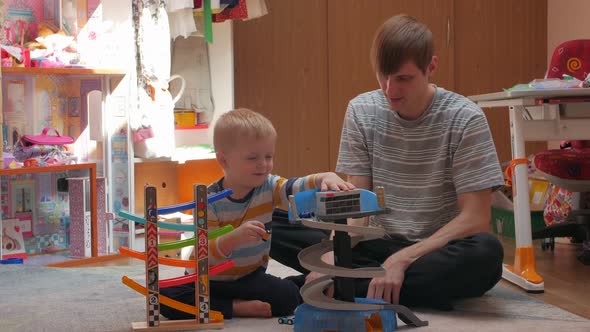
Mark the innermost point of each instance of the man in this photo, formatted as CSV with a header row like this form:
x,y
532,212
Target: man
x,y
433,152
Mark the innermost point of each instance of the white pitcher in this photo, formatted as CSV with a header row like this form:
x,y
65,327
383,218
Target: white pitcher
x,y
160,118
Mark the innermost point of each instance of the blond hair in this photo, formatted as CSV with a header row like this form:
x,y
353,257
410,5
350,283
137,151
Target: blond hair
x,y
240,124
400,39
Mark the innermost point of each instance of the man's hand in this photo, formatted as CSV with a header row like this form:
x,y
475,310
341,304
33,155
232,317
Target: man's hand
x,y
251,231
389,286
331,181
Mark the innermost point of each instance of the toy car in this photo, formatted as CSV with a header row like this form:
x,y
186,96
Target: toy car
x,y
286,320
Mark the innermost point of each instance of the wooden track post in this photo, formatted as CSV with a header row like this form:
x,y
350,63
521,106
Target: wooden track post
x,y
151,263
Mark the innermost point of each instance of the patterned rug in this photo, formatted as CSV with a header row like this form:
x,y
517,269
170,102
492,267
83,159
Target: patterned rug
x,y
38,298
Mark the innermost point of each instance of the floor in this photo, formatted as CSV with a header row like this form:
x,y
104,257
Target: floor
x,y
567,281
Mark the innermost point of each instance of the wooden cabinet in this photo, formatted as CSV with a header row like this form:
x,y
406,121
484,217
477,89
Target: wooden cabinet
x,y
498,44
280,66
301,64
351,27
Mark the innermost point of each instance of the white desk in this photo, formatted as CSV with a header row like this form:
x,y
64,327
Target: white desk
x,y
551,124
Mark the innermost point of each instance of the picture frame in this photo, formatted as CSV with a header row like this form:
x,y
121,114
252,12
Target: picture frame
x,y
61,106
25,223
52,12
15,96
49,9
73,107
13,242
23,205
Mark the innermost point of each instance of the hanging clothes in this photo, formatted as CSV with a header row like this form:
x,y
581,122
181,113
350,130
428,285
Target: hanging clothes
x,y
256,8
241,10
180,15
238,12
152,120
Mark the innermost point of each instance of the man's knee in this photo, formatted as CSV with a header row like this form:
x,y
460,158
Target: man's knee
x,y
486,261
487,249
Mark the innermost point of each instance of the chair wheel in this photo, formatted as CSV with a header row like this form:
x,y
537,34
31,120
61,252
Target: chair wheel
x,y
584,257
548,243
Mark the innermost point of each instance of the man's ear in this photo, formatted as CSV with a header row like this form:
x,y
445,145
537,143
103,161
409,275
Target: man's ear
x,y
432,66
221,160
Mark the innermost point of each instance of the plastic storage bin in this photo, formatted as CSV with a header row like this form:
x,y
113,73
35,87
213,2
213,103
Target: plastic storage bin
x,y
503,221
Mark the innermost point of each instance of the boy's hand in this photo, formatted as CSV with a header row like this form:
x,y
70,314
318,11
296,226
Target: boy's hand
x,y
249,232
331,181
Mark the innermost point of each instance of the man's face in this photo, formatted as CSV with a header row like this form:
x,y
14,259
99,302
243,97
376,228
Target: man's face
x,y
408,89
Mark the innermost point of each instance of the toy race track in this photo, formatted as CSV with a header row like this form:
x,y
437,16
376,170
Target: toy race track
x,y
329,211
204,317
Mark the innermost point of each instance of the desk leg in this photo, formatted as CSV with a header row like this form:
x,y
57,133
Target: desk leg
x,y
523,273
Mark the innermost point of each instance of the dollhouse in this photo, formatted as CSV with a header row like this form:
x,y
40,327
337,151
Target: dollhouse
x,y
44,92
81,67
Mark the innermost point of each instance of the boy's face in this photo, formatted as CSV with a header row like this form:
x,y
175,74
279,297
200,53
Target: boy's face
x,y
407,90
249,162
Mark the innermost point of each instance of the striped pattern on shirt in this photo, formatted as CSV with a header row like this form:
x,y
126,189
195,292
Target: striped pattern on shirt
x,y
423,164
257,205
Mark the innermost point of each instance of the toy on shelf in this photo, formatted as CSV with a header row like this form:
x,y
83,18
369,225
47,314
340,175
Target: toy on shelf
x,y
344,312
204,318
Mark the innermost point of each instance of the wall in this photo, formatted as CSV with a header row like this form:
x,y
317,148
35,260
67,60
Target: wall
x,y
566,20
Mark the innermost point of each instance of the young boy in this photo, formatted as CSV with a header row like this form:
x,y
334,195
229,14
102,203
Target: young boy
x,y
244,142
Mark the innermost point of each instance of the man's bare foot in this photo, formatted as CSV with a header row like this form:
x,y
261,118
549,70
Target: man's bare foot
x,y
254,308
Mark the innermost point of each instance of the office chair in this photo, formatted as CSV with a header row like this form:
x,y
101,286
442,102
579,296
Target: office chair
x,y
569,167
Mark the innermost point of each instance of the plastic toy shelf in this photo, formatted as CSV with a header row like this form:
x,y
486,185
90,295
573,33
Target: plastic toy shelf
x,y
62,71
91,167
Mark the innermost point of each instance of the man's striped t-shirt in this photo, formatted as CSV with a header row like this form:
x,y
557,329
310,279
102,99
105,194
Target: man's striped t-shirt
x,y
423,164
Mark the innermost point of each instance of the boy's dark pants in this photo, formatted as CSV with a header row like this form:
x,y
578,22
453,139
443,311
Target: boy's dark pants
x,y
282,295
467,267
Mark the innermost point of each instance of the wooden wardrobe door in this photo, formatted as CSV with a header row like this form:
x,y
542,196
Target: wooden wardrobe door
x,y
280,65
498,44
351,28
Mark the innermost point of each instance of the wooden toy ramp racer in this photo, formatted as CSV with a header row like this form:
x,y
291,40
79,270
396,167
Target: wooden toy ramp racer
x,y
330,210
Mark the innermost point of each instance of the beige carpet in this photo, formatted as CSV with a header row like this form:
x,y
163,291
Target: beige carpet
x,y
37,298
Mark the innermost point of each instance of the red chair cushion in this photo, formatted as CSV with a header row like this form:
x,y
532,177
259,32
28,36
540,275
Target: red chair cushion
x,y
573,164
571,58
